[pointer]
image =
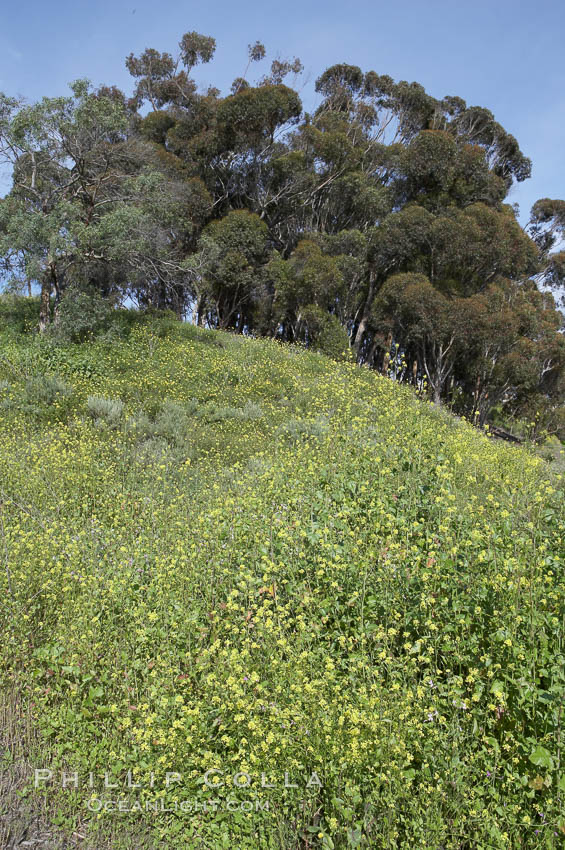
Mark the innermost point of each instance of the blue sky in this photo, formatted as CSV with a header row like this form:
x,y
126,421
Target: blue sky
x,y
501,54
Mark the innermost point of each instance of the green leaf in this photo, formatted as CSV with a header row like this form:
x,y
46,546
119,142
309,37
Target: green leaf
x,y
541,758
545,696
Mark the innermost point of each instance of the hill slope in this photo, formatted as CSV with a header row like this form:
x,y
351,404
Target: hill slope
x,y
225,554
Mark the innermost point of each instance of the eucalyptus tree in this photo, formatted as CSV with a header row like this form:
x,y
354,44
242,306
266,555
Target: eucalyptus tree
x,y
226,269
68,157
90,203
162,79
547,228
380,218
227,142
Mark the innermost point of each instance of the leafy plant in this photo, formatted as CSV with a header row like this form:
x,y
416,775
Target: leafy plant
x,y
45,390
106,411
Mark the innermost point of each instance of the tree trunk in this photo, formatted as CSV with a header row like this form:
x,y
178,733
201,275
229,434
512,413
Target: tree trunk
x,y
386,360
58,296
200,311
45,305
362,326
484,407
372,353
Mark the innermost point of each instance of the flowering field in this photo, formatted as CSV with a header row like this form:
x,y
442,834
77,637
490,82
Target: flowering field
x,y
331,613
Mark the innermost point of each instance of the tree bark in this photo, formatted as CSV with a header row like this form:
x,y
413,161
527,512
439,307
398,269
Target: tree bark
x,y
362,326
58,296
49,282
372,353
45,305
200,311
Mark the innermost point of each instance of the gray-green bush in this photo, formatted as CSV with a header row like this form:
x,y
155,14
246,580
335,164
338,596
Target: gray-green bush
x,y
105,411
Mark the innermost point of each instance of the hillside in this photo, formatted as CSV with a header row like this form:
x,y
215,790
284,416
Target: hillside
x,y
226,554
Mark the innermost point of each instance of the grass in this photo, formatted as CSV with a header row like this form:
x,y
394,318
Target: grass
x,y
221,554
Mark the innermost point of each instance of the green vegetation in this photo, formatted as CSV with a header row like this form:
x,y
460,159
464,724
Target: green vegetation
x,y
375,228
330,608
226,553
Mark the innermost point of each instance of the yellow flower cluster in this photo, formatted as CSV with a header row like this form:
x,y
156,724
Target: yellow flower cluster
x,y
303,568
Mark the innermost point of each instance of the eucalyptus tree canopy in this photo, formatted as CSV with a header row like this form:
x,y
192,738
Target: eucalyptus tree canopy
x,y
381,217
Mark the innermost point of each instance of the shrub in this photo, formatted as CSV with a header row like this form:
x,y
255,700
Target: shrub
x,y
212,338
152,451
325,333
251,411
18,314
45,390
172,421
141,425
258,465
333,340
82,313
212,412
167,326
106,411
297,429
